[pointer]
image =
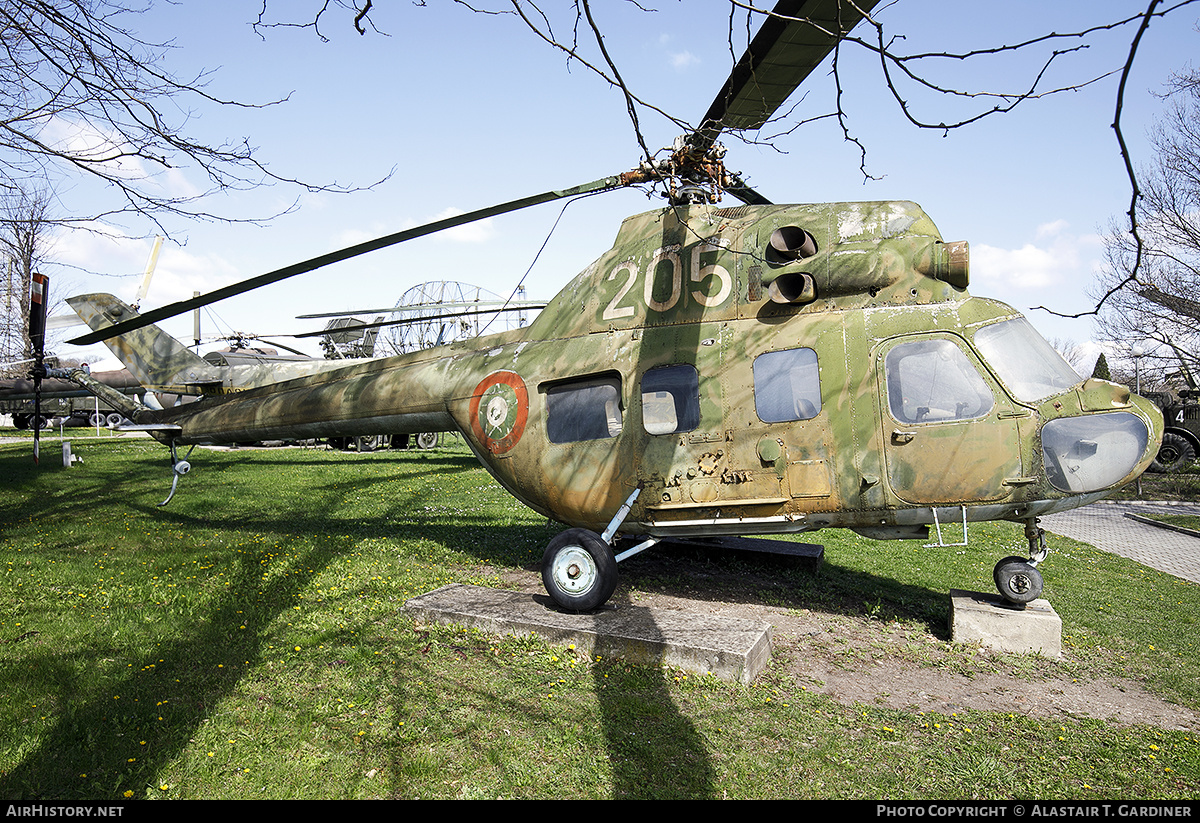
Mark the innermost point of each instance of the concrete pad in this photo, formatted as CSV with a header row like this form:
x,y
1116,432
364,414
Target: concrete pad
x,y
727,648
989,620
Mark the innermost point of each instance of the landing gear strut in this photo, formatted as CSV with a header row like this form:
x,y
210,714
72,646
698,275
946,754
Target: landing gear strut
x,y
579,568
1017,578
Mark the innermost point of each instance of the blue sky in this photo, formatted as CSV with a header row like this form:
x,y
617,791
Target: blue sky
x,y
467,110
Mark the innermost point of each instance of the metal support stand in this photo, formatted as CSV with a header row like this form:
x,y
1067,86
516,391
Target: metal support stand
x,y
615,523
620,516
648,543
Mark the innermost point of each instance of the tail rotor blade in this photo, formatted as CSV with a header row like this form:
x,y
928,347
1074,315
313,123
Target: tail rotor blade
x,y
38,293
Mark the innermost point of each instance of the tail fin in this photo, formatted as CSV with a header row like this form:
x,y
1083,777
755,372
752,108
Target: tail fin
x,y
156,359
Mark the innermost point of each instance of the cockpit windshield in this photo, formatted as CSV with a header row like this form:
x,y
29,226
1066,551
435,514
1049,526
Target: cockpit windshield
x,y
1024,361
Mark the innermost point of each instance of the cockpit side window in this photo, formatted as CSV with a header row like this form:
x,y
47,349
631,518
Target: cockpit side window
x,y
584,410
932,381
671,399
787,385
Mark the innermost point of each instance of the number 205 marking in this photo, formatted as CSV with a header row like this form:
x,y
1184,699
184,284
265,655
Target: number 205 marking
x,y
615,311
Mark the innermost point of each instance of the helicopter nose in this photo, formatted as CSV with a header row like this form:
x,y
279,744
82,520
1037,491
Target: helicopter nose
x,y
1096,451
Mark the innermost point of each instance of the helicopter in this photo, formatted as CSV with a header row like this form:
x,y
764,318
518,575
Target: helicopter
x,y
756,369
163,364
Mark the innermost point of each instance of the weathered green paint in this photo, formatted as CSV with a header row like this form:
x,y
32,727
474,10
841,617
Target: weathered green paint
x,y
689,285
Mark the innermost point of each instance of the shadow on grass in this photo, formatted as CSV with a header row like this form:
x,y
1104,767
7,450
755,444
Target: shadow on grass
x,y
28,491
119,735
122,733
655,751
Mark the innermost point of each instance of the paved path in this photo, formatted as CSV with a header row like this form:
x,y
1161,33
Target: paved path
x,y
1105,526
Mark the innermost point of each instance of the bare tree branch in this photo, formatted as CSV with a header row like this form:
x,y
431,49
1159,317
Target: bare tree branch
x,y
84,95
914,71
1135,195
26,219
1151,282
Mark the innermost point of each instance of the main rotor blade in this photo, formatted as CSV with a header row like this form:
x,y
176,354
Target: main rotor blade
x,y
280,345
795,38
736,187
528,304
244,286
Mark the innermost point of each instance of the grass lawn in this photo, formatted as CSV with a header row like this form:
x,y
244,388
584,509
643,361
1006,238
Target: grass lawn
x,y
249,641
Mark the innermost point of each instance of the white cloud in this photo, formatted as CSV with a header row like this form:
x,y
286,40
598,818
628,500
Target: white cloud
x,y
120,260
1055,258
479,231
684,60
1051,229
1028,267
113,157
679,60
180,274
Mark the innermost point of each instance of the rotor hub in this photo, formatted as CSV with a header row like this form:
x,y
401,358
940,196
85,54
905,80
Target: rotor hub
x,y
689,174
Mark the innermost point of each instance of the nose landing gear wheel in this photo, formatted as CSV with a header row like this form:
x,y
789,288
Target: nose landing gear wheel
x,y
579,570
1017,580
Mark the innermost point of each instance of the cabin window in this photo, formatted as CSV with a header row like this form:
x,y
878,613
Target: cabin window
x,y
584,410
671,399
931,381
787,385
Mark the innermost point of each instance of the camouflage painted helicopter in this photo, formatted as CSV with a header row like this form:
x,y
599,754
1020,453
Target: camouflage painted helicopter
x,y
158,363
759,369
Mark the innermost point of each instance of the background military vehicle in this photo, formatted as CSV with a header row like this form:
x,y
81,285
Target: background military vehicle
x,y
1181,435
67,402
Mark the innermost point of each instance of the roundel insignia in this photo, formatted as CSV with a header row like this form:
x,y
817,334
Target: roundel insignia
x,y
499,409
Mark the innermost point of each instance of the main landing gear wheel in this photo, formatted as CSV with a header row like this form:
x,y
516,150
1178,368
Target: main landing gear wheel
x,y
579,570
1018,581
